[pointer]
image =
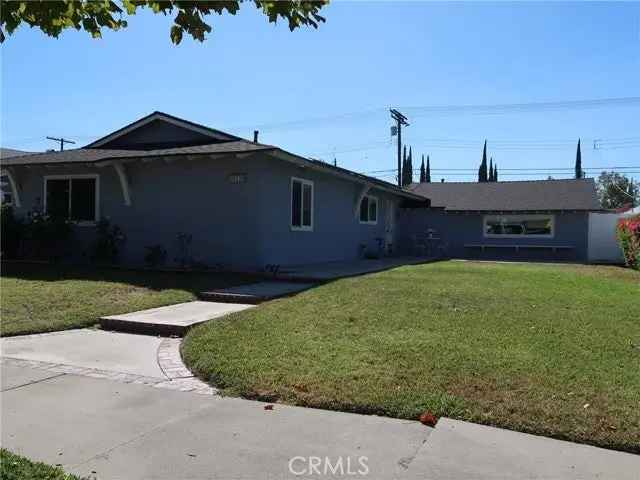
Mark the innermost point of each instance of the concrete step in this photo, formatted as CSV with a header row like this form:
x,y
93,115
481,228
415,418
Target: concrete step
x,y
255,293
172,320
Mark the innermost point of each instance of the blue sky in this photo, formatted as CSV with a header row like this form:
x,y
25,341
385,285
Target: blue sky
x,y
367,57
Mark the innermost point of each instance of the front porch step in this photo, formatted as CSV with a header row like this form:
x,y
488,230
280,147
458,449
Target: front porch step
x,y
255,293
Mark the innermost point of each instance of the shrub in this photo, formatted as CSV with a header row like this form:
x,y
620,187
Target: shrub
x,y
156,255
628,233
46,237
108,243
13,230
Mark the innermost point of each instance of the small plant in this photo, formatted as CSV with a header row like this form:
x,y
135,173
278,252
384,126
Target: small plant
x,y
184,258
108,243
156,256
628,233
12,231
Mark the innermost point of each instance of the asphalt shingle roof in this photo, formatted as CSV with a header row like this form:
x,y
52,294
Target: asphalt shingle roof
x,y
90,155
12,152
536,195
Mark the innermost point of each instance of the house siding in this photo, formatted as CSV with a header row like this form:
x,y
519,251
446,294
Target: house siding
x,y
337,232
458,229
192,197
240,226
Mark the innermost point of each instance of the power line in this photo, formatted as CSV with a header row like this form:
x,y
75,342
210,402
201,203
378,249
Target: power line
x,y
509,108
435,110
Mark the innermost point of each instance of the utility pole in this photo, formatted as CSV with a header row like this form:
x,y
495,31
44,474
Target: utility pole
x,y
400,121
62,141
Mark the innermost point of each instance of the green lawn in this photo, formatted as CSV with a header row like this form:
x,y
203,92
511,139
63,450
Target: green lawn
x,y
15,467
42,298
546,349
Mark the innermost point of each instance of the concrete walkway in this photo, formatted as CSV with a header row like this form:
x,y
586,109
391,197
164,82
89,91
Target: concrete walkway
x,y
255,293
170,320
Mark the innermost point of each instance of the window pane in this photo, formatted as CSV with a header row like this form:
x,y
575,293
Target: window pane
x,y
538,227
83,199
364,209
306,205
518,226
512,228
373,210
296,203
58,198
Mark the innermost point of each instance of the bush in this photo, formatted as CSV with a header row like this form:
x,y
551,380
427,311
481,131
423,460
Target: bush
x,y
628,233
108,243
156,256
13,230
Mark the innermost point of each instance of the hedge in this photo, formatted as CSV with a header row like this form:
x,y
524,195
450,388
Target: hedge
x,y
629,238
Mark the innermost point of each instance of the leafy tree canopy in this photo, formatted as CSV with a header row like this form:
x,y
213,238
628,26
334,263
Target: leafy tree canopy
x,y
52,17
617,190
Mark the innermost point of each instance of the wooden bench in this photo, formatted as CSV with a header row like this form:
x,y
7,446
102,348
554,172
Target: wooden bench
x,y
517,248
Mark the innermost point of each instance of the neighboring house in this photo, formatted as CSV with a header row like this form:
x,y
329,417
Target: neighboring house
x,y
245,205
532,220
6,195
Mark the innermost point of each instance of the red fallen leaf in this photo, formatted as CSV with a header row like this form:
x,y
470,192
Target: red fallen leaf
x,y
268,407
429,419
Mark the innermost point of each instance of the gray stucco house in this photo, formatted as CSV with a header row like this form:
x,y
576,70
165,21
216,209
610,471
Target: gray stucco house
x,y
517,220
245,205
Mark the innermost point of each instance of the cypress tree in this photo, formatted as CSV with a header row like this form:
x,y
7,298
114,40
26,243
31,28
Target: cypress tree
x,y
579,172
482,172
422,171
427,173
495,172
491,169
403,173
410,168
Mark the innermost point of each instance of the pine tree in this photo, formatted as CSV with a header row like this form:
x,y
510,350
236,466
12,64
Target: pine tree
x,y
495,172
482,171
427,173
579,172
423,176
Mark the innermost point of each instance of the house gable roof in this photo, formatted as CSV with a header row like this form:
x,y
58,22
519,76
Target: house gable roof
x,y
161,130
12,152
108,150
536,195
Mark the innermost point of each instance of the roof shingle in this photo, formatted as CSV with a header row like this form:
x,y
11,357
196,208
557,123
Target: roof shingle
x,y
527,195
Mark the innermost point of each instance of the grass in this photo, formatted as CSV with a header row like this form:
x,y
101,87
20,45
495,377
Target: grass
x,y
15,467
545,349
43,298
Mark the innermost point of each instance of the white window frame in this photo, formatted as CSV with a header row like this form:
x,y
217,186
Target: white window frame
x,y
516,218
301,228
369,221
83,223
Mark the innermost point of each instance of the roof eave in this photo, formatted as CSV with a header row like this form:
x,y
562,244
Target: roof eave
x,y
353,177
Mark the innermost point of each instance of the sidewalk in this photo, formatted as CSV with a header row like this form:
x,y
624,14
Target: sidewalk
x,y
112,429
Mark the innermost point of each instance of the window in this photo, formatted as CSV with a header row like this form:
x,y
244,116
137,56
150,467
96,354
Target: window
x,y
301,204
369,210
5,191
73,197
506,226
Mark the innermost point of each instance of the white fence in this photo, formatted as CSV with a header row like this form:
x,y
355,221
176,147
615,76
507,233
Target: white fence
x,y
603,245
